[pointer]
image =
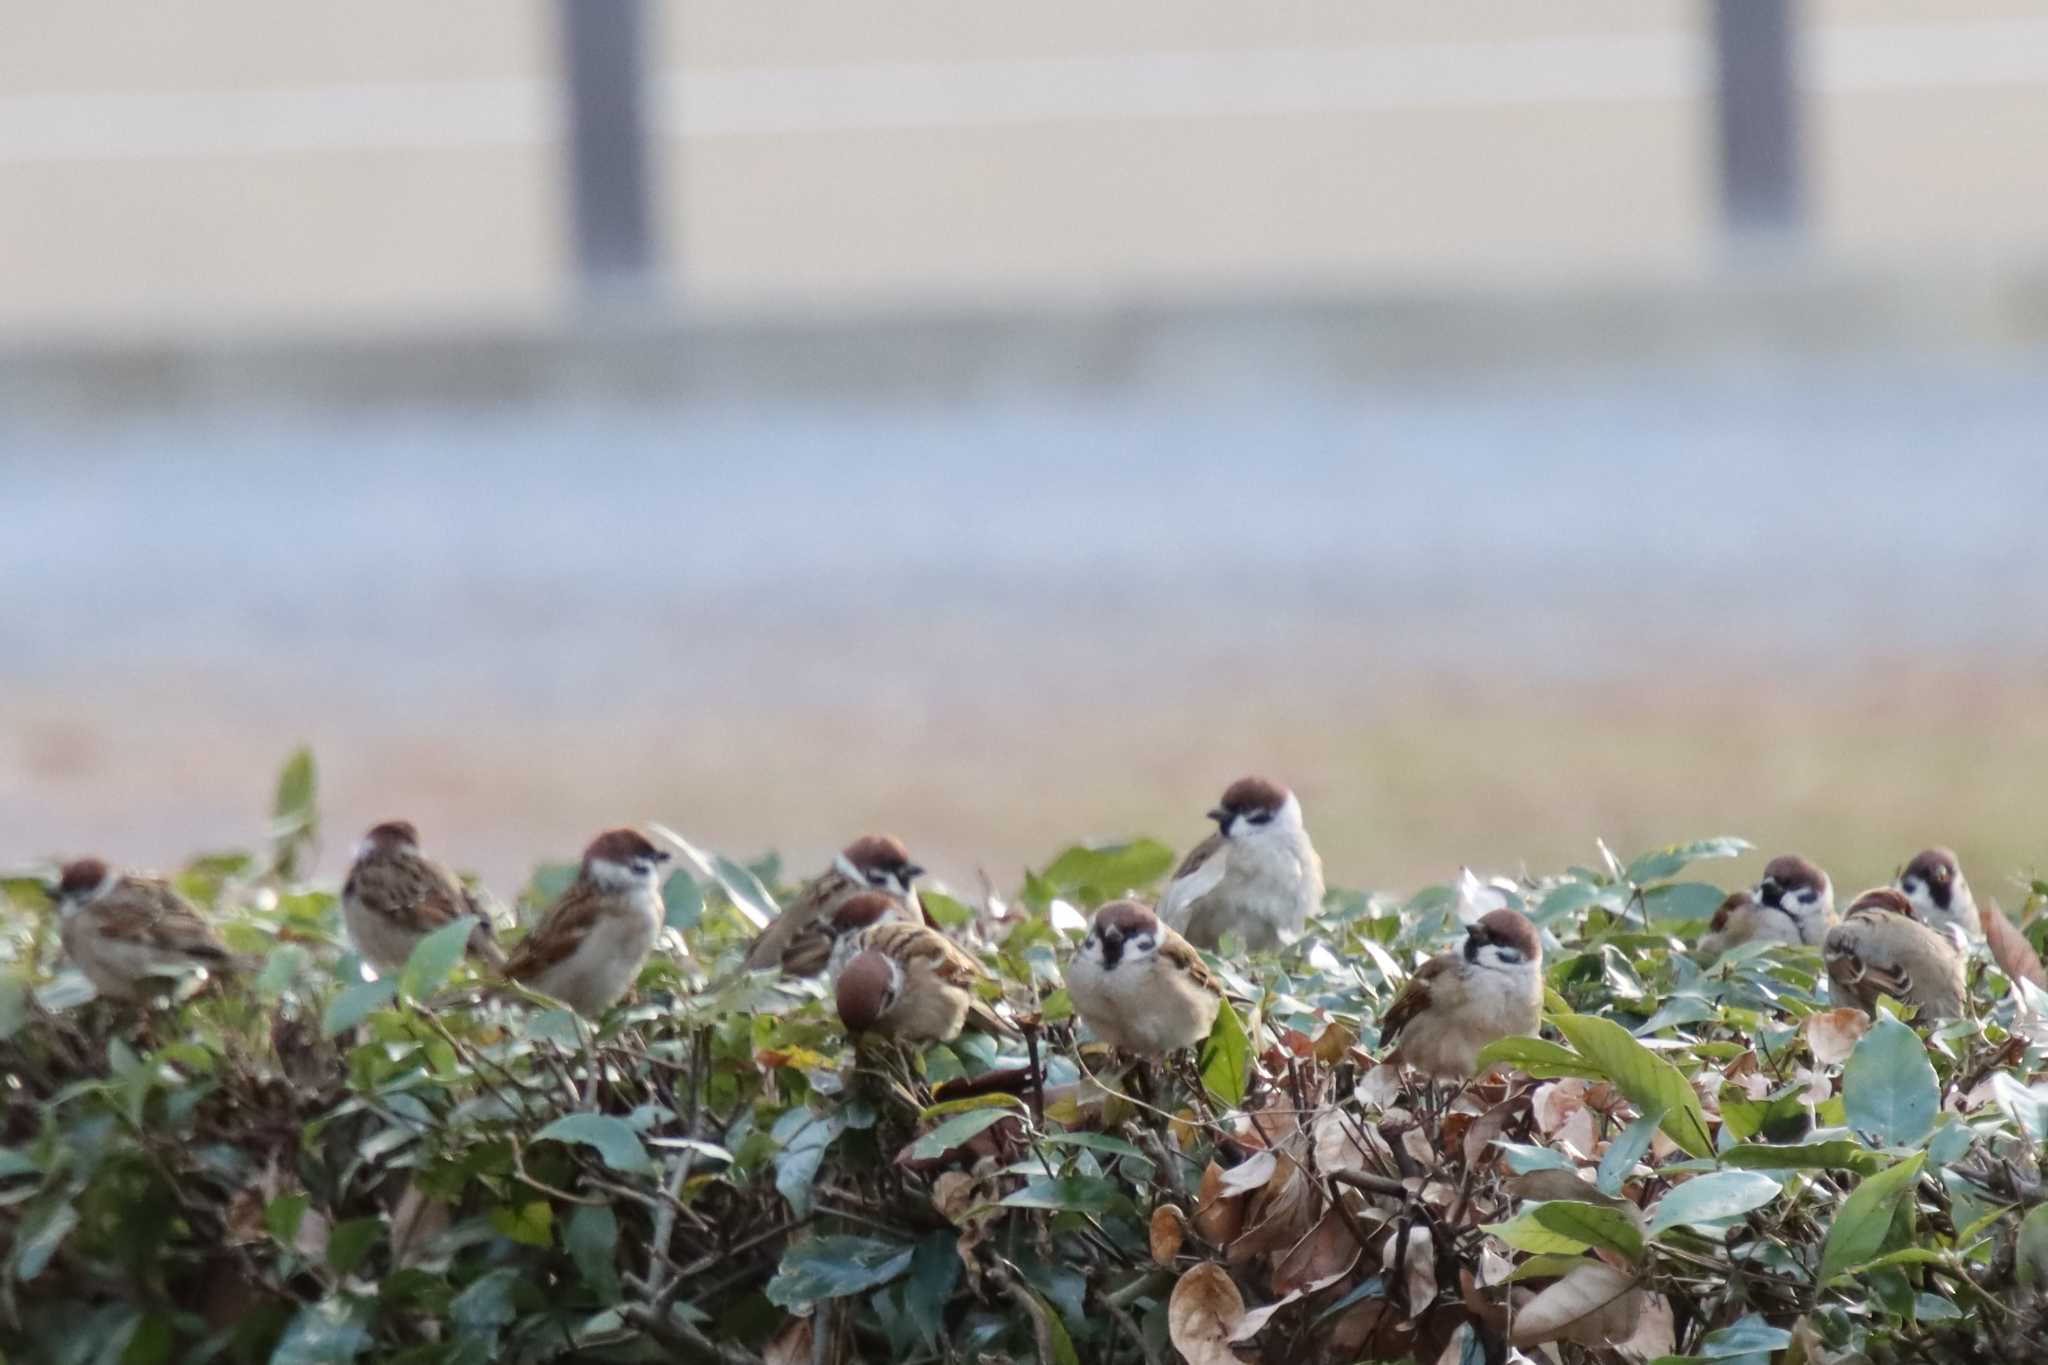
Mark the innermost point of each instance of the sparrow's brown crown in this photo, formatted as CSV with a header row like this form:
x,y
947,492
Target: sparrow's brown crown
x,y
1126,918
1794,873
1938,870
1737,900
858,912
1249,795
81,876
1883,898
393,834
863,993
1510,929
881,853
621,846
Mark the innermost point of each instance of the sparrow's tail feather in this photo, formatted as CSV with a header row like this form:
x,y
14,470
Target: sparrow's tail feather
x,y
984,1019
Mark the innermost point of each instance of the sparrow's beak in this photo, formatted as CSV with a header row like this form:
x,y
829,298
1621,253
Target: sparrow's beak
x,y
1221,816
1767,893
911,872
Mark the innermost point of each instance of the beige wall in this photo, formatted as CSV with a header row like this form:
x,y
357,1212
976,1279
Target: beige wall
x,y
223,162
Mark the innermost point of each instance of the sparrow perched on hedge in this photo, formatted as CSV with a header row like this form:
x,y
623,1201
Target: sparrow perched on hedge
x,y
1934,884
1794,902
133,937
395,896
589,947
798,940
1139,985
1799,898
1458,1002
904,980
1257,877
1880,949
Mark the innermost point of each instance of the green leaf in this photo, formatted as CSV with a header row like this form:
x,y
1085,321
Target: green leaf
x,y
1831,1155
1069,1194
488,1304
283,1215
955,1131
1055,1346
355,1004
1866,1216
293,819
1709,1198
1527,1232
37,1240
833,1267
434,957
934,1274
683,900
1102,872
531,1224
592,1241
1678,903
348,1242
1592,1225
805,1135
1523,1157
14,997
1749,1336
950,913
1226,1058
1539,1057
1889,1087
1647,1079
1625,1151
330,1332
613,1138
2026,1105
1672,859
2030,1248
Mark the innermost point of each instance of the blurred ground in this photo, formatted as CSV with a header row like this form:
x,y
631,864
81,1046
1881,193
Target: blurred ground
x,y
1482,618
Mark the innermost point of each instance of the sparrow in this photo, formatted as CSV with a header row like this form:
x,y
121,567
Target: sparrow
x,y
1140,986
1941,899
1793,903
799,942
904,980
1257,877
395,896
1798,901
589,947
1458,1002
1880,949
133,937
1933,883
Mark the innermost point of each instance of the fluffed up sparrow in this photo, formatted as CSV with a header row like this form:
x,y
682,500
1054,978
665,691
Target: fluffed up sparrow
x,y
1257,877
903,980
1933,882
395,896
133,937
1139,985
798,940
1880,949
1459,1001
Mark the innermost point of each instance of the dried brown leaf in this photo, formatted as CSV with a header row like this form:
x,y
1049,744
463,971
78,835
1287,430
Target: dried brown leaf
x,y
1595,1305
1218,1217
1203,1311
1169,1231
1326,1252
1417,1257
791,1346
1832,1034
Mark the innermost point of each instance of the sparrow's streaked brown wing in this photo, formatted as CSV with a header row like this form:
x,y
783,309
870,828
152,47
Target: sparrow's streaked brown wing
x,y
1866,980
560,932
407,890
913,943
1414,997
2010,949
1181,955
150,913
1198,855
801,919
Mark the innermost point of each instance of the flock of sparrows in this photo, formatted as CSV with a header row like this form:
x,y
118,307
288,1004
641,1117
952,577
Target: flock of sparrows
x,y
1137,980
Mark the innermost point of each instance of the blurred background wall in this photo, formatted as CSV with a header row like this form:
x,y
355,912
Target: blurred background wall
x,y
1042,414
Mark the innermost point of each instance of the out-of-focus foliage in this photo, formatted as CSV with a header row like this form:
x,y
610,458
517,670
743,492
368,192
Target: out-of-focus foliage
x,y
1694,1162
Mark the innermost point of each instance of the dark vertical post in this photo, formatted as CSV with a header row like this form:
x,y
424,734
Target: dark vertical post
x,y
609,172
1756,91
